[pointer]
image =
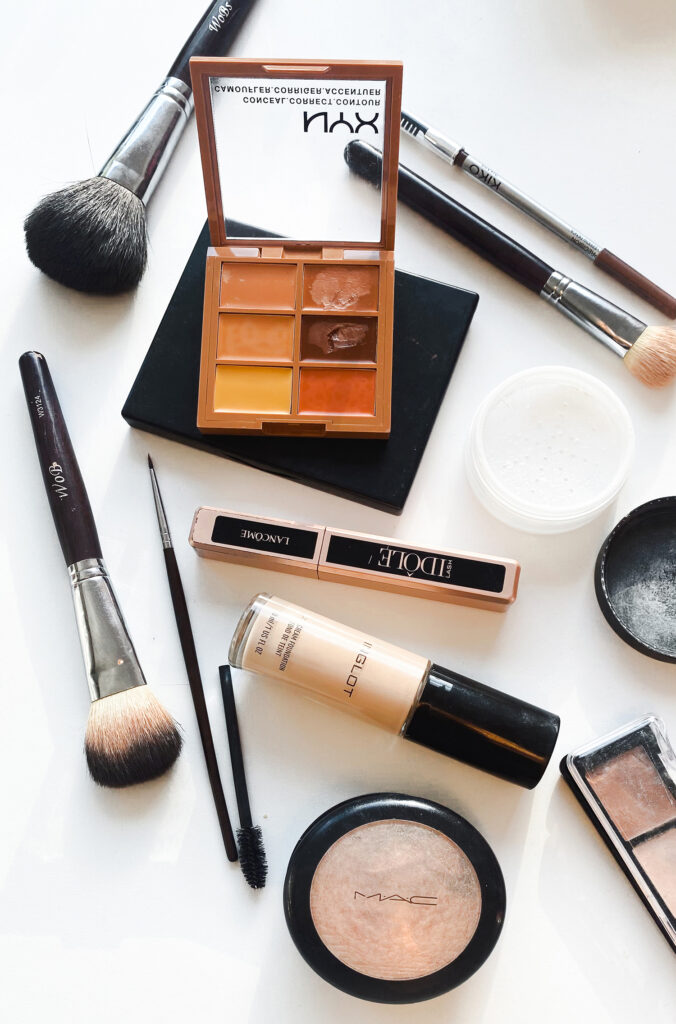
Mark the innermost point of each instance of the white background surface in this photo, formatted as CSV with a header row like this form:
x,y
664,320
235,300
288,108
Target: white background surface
x,y
120,906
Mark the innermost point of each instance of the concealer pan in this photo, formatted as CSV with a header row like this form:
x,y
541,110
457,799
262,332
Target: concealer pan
x,y
359,559
635,579
334,290
393,898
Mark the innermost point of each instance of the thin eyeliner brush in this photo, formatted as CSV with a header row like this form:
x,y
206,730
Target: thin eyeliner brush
x,y
457,156
192,668
249,836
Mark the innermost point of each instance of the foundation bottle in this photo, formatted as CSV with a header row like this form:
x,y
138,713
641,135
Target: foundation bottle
x,y
391,687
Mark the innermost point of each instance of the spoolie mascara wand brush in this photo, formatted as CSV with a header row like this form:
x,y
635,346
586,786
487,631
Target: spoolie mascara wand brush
x,y
249,836
649,353
192,668
604,259
130,737
91,236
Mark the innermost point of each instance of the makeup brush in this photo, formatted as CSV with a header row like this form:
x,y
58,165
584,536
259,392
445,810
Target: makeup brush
x,y
249,836
649,353
457,156
91,236
185,635
130,737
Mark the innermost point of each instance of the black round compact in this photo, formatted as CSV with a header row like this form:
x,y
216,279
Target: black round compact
x,y
635,579
393,898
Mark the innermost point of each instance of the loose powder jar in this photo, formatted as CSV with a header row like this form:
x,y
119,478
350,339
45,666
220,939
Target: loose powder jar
x,y
549,449
393,898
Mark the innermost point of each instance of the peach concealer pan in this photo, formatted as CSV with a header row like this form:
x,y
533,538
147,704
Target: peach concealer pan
x,y
393,898
626,783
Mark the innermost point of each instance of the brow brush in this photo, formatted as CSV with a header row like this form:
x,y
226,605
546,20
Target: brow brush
x,y
457,156
649,353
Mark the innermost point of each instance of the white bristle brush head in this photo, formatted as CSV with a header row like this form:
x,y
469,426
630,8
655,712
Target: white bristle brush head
x,y
130,738
652,357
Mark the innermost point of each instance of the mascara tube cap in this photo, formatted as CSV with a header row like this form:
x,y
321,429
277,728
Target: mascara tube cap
x,y
483,727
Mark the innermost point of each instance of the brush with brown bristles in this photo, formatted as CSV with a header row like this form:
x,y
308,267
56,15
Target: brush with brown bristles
x,y
92,235
649,353
130,737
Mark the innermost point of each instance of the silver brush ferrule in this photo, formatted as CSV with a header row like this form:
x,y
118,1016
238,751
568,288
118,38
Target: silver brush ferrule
x,y
139,160
597,316
109,656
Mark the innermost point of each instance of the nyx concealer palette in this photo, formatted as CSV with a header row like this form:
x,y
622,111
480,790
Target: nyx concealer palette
x,y
297,330
626,783
359,559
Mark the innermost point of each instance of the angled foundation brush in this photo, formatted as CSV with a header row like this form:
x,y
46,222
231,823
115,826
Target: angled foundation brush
x,y
457,156
185,635
649,353
249,836
91,236
130,737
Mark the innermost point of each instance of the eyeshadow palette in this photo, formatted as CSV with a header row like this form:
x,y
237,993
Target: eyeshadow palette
x,y
626,782
297,333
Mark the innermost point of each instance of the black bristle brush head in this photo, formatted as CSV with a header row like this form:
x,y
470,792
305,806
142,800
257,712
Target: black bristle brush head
x,y
90,236
252,857
130,738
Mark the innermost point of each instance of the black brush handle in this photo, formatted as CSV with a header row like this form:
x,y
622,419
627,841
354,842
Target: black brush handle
x,y
63,481
477,234
212,36
235,744
194,678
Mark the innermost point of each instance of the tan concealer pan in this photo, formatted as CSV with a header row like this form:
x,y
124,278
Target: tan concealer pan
x,y
393,898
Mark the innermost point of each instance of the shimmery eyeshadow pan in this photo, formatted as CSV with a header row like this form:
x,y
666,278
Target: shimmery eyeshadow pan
x,y
393,898
657,857
632,792
626,783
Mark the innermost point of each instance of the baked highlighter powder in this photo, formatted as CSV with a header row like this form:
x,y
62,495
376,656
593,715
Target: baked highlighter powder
x,y
393,898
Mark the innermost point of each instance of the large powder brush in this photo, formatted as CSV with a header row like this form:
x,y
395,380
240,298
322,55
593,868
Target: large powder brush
x,y
91,236
130,737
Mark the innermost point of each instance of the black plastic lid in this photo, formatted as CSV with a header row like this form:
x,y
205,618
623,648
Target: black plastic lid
x,y
483,727
635,579
392,807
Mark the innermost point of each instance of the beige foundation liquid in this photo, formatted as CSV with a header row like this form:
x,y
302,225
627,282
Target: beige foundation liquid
x,y
333,663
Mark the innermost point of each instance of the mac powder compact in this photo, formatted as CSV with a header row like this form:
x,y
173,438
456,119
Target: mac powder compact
x,y
393,898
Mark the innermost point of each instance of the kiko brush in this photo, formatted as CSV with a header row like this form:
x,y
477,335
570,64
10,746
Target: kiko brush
x,y
91,236
457,156
185,635
649,353
130,737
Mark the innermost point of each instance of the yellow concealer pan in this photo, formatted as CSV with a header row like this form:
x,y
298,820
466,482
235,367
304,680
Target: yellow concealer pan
x,y
252,388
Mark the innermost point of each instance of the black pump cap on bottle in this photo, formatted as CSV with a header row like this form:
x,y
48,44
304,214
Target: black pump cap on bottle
x,y
483,727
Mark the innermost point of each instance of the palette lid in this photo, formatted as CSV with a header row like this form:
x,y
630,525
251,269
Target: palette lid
x,y
272,135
